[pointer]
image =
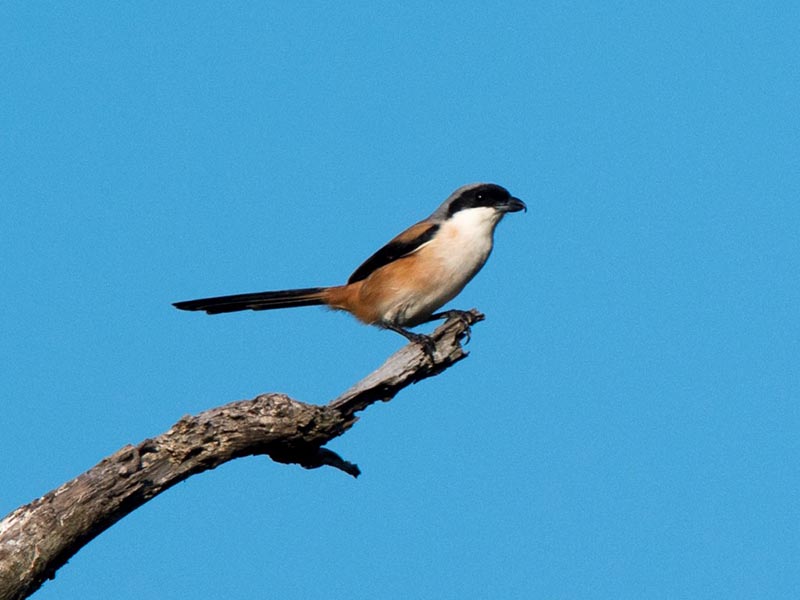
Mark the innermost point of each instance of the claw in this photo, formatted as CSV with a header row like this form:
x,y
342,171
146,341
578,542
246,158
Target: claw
x,y
461,315
427,344
425,341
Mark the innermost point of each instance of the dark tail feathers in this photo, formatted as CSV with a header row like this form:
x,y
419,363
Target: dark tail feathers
x,y
256,301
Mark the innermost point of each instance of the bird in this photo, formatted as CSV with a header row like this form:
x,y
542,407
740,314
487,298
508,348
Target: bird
x,y
403,284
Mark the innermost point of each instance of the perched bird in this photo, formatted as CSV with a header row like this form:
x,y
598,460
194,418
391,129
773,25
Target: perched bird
x,y
406,281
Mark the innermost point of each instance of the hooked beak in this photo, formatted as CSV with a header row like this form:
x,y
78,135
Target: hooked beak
x,y
514,205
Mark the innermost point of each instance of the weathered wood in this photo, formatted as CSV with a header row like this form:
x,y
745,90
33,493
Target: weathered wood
x,y
38,538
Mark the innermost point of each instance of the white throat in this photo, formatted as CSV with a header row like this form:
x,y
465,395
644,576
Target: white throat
x,y
466,241
458,251
480,220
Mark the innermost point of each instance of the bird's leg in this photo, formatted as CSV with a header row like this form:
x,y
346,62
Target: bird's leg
x,y
423,340
461,315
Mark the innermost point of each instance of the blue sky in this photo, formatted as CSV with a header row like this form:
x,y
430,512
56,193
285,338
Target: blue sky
x,y
626,425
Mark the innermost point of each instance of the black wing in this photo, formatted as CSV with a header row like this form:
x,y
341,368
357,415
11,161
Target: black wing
x,y
404,244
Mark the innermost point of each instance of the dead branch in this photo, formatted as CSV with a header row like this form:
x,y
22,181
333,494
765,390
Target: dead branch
x,y
38,538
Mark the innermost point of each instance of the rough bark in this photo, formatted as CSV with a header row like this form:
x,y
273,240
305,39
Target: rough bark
x,y
38,538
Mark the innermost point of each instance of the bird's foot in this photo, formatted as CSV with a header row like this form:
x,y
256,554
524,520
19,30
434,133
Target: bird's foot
x,y
425,341
462,315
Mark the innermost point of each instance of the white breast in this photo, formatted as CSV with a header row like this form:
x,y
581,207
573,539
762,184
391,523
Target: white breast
x,y
465,241
457,252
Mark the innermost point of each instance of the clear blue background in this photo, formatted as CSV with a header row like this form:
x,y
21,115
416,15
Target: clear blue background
x,y
627,423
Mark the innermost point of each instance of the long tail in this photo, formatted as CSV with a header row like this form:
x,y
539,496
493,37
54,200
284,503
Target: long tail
x,y
257,301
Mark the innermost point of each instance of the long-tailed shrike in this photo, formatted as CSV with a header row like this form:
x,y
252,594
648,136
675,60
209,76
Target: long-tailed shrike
x,y
406,281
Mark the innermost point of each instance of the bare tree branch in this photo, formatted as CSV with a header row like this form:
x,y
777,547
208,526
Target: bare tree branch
x,y
38,538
